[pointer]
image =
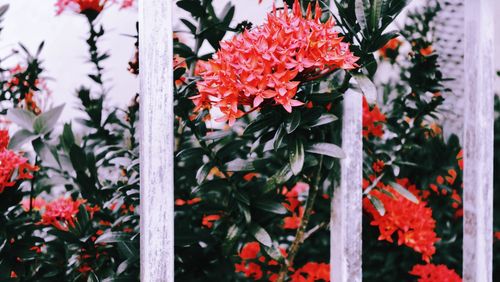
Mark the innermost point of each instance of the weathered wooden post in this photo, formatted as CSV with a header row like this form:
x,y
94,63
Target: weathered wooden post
x,y
156,148
478,142
346,217
465,45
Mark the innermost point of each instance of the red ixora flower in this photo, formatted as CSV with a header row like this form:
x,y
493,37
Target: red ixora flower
x,y
372,120
267,64
435,273
61,213
412,222
11,162
81,6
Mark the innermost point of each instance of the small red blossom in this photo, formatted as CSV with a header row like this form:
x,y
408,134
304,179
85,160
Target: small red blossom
x,y
460,159
497,235
378,166
412,222
250,270
250,251
61,213
312,271
208,220
82,6
435,273
390,48
267,64
426,51
372,120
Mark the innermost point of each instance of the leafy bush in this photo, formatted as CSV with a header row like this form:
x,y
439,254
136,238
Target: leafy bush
x,y
257,141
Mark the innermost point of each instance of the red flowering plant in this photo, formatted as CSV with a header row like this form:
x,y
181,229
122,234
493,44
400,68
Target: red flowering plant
x,y
67,198
257,134
412,169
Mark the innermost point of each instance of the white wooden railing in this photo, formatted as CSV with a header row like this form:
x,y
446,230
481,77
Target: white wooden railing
x,y
157,201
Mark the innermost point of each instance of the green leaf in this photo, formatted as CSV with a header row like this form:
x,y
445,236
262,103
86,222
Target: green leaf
x,y
360,9
270,206
326,149
280,177
367,87
22,118
278,138
190,153
20,138
404,192
323,119
292,122
233,233
261,235
239,165
67,138
202,172
260,123
375,13
192,6
296,156
45,122
379,206
114,237
46,152
78,158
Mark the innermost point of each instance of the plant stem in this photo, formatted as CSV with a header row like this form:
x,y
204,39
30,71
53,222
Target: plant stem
x,y
301,231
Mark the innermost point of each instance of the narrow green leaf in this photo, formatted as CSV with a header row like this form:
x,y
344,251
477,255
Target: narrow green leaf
x,y
296,156
114,237
292,122
239,165
261,235
376,10
404,192
270,206
202,172
360,8
379,206
278,137
323,119
367,87
326,149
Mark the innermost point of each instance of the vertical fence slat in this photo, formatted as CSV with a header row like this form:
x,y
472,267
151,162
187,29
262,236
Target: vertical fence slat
x,y
478,149
156,147
346,217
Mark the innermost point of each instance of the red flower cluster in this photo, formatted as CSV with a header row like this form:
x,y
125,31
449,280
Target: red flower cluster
x,y
372,120
412,222
81,6
250,269
10,162
435,273
268,63
61,213
293,205
312,271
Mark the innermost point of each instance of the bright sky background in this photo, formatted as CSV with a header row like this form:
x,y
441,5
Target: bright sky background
x,y
65,53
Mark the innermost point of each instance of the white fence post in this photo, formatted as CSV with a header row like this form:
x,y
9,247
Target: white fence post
x,y
478,148
156,143
346,217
